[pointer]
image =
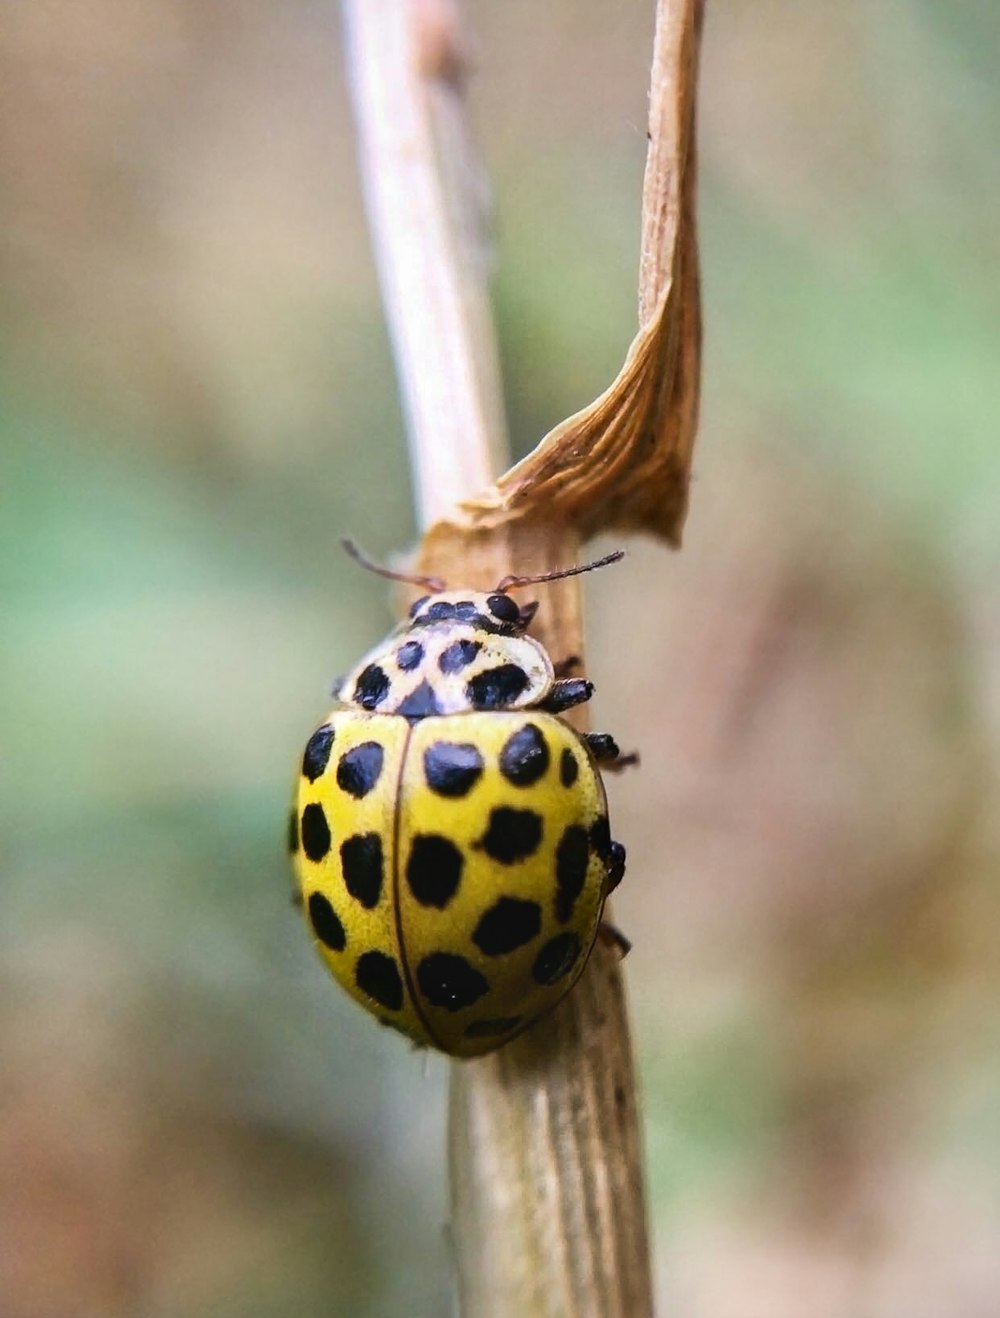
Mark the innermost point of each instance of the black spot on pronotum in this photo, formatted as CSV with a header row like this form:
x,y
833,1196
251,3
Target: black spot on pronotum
x,y
525,756
433,869
492,1029
458,655
556,958
317,752
409,655
359,768
439,611
572,856
569,769
452,768
325,923
293,832
361,862
507,925
420,703
315,832
372,687
496,687
377,975
512,835
449,981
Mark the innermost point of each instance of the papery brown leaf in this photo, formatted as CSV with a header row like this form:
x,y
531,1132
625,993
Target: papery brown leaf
x,y
623,463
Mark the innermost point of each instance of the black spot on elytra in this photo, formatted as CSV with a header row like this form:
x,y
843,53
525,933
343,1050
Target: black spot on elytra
x,y
433,869
491,1029
359,768
409,655
525,756
572,855
496,687
293,832
372,687
600,836
458,655
327,926
420,703
378,976
569,769
361,862
452,768
417,605
449,981
512,835
315,832
507,925
317,753
556,958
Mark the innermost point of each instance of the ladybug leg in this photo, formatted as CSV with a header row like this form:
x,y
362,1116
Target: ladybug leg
x,y
605,751
295,897
615,861
565,666
611,934
612,853
565,693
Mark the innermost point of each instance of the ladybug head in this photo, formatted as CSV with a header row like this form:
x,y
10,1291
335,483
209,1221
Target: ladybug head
x,y
495,612
492,611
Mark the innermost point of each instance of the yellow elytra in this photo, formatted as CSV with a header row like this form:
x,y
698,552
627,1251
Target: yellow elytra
x,y
450,834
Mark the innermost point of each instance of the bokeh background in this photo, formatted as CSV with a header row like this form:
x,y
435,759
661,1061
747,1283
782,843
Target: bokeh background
x,y
198,401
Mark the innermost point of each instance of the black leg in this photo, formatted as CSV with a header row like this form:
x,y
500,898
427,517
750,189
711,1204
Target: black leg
x,y
571,691
605,751
616,865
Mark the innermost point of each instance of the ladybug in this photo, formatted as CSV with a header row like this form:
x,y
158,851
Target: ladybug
x,y
450,835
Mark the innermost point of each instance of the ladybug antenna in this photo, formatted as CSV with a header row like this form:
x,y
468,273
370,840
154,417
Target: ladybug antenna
x,y
433,584
509,583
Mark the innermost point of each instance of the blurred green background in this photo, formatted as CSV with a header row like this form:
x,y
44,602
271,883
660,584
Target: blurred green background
x,y
198,401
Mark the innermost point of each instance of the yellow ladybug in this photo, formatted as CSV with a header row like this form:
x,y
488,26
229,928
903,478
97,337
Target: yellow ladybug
x,y
450,835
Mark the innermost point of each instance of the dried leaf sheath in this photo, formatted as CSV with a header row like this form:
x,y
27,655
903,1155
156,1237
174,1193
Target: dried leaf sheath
x,y
623,462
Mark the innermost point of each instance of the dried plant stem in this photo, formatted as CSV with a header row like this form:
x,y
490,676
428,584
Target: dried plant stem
x,y
548,1213
668,187
406,67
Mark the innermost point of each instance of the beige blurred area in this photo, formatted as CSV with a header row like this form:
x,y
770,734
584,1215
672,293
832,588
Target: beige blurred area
x,y
197,401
